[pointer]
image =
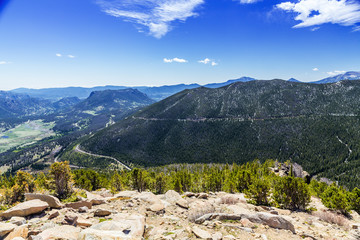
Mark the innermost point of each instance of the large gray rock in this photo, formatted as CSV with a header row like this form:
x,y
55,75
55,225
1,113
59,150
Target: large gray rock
x,y
153,201
60,232
172,196
25,209
271,220
53,202
5,228
121,227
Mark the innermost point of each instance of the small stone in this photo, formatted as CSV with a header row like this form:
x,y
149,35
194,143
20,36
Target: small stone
x,y
53,214
83,222
202,234
101,213
70,219
84,209
18,221
203,196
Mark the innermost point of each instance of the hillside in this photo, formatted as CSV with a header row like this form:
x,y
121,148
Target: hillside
x,y
17,105
314,125
101,108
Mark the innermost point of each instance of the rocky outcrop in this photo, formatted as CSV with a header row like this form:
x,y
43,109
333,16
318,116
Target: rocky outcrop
x,y
53,202
202,234
25,209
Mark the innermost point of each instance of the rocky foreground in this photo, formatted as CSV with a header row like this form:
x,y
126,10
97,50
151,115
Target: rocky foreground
x,y
133,215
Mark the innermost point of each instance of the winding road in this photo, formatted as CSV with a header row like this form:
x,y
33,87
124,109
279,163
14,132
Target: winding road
x,y
77,149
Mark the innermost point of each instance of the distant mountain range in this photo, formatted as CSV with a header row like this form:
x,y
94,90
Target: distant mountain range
x,y
346,76
156,93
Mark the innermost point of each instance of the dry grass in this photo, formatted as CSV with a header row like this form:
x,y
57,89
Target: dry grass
x,y
198,212
332,218
230,200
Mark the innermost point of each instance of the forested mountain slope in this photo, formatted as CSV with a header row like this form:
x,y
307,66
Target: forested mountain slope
x,y
317,126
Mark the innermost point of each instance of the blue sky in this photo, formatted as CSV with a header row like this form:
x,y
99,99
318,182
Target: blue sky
x,y
155,42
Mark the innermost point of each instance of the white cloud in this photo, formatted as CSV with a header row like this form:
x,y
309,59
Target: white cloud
x,y
205,61
156,15
333,73
71,56
208,60
317,12
178,60
58,55
315,69
4,62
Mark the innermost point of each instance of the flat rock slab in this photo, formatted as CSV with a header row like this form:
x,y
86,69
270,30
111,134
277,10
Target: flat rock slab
x,y
202,234
53,202
25,209
60,232
79,204
18,232
123,226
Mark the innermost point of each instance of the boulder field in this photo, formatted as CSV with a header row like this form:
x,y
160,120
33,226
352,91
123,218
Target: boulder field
x,y
133,215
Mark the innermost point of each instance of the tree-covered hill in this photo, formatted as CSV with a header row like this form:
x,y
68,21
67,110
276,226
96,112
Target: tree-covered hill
x,y
315,125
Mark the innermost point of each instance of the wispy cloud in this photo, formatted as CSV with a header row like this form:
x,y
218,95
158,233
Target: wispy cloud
x,y
317,12
315,69
207,61
314,29
336,72
71,56
247,1
4,62
178,60
156,15
58,55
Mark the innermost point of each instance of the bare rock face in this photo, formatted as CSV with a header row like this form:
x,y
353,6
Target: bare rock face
x,y
60,232
79,204
5,228
25,209
202,234
53,202
122,227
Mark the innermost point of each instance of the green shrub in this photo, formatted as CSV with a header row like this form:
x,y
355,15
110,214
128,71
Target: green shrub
x,y
336,198
259,191
355,200
291,193
61,174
